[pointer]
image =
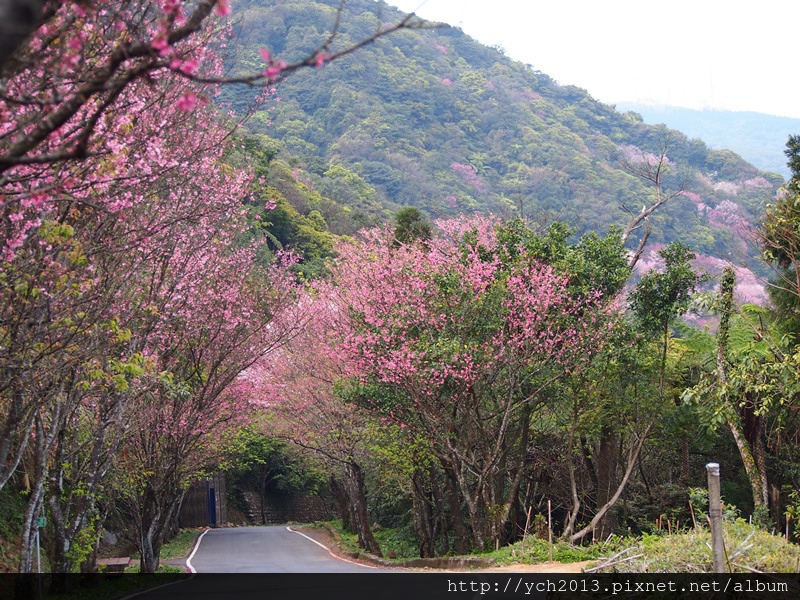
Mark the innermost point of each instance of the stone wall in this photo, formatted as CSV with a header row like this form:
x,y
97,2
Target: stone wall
x,y
283,508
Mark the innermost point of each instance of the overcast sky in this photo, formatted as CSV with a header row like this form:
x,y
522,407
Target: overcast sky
x,y
722,54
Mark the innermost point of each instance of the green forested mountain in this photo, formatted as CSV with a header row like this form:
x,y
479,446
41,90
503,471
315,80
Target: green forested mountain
x,y
433,119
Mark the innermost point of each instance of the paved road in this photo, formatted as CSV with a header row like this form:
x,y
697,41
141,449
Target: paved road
x,y
293,567
274,549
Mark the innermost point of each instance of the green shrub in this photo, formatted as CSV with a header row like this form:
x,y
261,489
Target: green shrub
x,y
13,513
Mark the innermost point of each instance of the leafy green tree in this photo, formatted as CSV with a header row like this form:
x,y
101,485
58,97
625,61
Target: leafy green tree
x,y
780,238
263,463
410,226
660,298
753,377
606,415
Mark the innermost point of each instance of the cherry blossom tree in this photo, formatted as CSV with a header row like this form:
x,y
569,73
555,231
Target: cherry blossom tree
x,y
297,385
232,314
68,71
106,286
458,339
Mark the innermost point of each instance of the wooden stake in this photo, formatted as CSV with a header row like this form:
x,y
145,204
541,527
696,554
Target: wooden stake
x,y
787,527
550,528
525,533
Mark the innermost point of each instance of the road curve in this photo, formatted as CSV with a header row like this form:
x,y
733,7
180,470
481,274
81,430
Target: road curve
x,y
270,549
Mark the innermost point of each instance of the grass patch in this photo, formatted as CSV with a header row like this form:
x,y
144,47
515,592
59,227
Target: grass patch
x,y
402,545
534,550
162,569
180,546
346,540
394,543
749,549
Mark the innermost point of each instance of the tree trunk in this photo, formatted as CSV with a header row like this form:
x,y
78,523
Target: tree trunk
x,y
684,474
438,493
158,518
519,470
340,495
749,462
15,435
472,498
572,515
151,513
43,442
759,489
150,560
262,495
29,528
462,545
357,493
606,462
423,516
753,425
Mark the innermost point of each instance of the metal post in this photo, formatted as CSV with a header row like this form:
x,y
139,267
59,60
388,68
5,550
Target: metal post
x,y
715,516
38,560
38,553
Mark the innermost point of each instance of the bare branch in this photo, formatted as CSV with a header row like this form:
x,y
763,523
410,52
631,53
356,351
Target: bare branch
x,y
651,169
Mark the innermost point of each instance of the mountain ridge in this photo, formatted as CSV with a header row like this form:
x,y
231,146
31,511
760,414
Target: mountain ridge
x,y
436,120
758,137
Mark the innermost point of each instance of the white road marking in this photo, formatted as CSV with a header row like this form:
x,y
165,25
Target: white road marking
x,y
328,550
194,551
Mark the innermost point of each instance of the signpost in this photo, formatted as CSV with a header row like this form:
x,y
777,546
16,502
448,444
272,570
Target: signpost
x,y
41,523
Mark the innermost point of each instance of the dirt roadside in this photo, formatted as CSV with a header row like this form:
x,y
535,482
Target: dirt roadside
x,y
545,567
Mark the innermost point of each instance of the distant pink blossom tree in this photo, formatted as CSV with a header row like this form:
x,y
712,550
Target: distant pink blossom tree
x,y
637,156
727,187
758,183
470,175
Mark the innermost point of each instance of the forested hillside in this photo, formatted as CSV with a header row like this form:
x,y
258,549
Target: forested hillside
x,y
433,119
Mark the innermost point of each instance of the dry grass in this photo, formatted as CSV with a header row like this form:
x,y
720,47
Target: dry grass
x,y
748,550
